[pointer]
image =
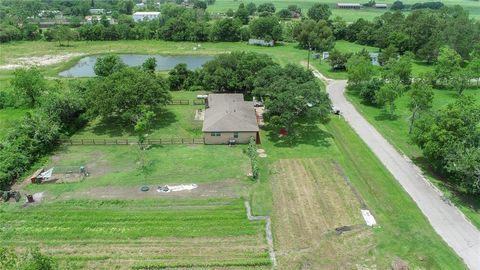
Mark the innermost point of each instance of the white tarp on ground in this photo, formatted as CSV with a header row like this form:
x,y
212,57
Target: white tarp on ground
x,y
46,174
177,188
369,219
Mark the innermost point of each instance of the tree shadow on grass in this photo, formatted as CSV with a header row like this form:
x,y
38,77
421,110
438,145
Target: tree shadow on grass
x,y
460,196
384,116
305,134
116,127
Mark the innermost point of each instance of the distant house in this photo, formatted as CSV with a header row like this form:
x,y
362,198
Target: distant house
x,y
145,16
229,119
90,19
349,5
380,5
261,42
97,11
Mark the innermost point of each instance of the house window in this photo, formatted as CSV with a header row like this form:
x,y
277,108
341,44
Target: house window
x,y
235,135
215,134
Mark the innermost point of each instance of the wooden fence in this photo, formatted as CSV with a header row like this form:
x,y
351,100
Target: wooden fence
x,y
131,141
179,102
187,102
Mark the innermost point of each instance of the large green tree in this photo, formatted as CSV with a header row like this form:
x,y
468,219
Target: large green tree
x,y
108,64
125,93
314,35
319,12
360,70
450,139
234,72
421,99
448,62
29,84
388,94
267,28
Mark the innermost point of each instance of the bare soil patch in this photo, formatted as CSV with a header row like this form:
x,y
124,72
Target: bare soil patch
x,y
33,61
311,200
227,188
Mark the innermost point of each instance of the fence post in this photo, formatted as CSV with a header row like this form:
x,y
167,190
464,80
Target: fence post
x,y
82,141
171,140
93,141
182,140
105,141
160,141
126,141
116,141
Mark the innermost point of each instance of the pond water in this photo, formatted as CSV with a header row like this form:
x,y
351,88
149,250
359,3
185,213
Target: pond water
x,y
84,67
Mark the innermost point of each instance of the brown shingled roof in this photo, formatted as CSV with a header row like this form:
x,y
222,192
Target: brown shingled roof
x,y
229,113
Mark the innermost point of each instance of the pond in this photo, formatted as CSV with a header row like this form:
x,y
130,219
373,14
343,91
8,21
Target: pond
x,y
84,67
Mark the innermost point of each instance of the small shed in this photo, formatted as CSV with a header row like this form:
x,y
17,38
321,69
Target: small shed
x,y
261,42
380,5
374,57
325,55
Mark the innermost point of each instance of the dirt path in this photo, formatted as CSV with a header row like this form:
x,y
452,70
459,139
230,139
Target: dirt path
x,y
445,218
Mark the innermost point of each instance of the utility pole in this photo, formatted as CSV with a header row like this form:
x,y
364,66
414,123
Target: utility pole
x,y
308,59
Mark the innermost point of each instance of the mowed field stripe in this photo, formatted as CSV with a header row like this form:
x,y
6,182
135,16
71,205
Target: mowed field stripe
x,y
310,200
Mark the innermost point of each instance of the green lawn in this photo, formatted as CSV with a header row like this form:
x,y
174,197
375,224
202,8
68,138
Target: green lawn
x,y
349,15
117,166
121,234
396,131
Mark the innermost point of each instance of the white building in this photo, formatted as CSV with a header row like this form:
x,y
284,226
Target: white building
x,y
141,16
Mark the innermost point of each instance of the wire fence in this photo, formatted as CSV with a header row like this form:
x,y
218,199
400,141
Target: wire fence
x,y
132,141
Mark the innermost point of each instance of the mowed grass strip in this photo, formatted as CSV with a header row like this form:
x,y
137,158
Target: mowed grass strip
x,y
89,236
310,200
404,231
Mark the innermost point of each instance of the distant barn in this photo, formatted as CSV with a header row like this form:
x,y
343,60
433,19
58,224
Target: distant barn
x,y
349,5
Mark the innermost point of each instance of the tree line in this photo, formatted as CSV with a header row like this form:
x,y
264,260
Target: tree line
x,y
449,137
422,32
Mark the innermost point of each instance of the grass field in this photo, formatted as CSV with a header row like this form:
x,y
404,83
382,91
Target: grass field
x,y
396,131
320,201
349,15
120,234
112,190
403,233
175,121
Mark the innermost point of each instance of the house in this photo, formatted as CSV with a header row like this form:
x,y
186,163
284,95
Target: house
x,y
229,119
380,5
92,18
97,11
349,5
141,16
261,42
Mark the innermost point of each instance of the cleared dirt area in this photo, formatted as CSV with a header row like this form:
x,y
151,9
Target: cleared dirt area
x,y
227,188
45,60
311,200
